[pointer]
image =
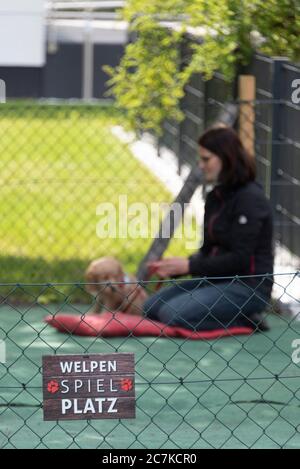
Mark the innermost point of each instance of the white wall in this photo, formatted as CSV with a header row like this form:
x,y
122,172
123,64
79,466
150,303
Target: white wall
x,y
22,33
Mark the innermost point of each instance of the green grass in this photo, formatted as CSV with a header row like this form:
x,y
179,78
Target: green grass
x,y
58,163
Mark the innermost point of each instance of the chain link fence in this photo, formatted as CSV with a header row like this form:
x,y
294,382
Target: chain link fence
x,y
64,165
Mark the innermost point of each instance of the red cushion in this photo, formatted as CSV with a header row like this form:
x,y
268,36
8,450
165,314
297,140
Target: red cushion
x,y
122,325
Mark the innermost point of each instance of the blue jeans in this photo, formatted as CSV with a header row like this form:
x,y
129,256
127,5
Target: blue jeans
x,y
201,305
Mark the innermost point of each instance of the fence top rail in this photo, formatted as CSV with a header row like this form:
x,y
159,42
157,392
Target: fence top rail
x,y
106,5
109,101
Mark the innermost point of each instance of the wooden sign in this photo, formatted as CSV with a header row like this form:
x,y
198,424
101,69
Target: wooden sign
x,y
89,386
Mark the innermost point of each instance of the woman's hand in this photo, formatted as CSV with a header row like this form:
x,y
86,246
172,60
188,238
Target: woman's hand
x,y
168,267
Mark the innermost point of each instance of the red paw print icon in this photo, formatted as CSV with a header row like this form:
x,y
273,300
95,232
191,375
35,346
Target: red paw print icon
x,y
126,384
53,386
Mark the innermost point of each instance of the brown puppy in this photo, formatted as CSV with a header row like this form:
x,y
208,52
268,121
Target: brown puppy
x,y
114,290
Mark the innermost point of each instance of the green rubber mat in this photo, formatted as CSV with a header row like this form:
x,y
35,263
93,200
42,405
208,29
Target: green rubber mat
x,y
236,392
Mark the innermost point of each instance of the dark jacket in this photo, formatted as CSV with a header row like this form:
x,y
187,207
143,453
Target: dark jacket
x,y
238,236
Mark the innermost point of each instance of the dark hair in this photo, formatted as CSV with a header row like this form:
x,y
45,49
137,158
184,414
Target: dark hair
x,y
238,165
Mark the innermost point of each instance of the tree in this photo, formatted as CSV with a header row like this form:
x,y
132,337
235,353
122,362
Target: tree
x,y
149,81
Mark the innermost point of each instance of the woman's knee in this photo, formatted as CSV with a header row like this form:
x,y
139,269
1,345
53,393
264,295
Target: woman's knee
x,y
150,306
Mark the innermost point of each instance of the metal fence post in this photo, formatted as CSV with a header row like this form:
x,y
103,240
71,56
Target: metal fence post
x,y
88,60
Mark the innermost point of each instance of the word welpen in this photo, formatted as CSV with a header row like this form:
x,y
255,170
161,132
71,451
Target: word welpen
x,y
93,366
